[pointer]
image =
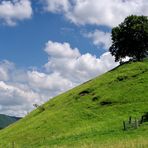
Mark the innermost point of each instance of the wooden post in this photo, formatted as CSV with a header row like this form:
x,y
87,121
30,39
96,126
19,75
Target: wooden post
x,y
130,120
124,126
13,144
141,119
136,123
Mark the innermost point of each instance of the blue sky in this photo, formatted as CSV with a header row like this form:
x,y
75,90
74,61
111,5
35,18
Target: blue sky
x,y
27,39
50,46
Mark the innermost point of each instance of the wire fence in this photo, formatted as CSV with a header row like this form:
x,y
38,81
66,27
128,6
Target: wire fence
x,y
134,123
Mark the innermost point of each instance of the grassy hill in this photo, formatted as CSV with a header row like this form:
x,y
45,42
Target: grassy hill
x,y
90,115
6,120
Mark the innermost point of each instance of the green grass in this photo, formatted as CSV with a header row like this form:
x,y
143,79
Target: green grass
x,y
78,119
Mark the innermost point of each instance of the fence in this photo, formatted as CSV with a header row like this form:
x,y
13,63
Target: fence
x,y
135,123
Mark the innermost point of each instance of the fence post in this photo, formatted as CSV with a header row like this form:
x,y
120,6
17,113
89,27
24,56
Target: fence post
x,y
124,126
136,123
130,120
13,144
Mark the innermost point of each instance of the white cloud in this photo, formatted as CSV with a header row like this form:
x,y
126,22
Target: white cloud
x,y
50,82
12,11
106,12
58,50
56,6
100,38
78,68
12,96
10,91
5,69
15,92
66,68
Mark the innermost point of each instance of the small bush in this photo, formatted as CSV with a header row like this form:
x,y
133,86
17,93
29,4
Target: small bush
x,y
95,99
121,78
39,107
103,103
145,117
83,93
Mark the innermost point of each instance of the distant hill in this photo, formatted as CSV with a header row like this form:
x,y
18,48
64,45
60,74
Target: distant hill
x,y
7,120
90,115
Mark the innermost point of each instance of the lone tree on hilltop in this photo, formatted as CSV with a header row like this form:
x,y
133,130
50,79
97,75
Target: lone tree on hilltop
x,y
130,38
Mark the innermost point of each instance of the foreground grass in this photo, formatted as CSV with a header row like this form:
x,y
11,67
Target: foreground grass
x,y
81,117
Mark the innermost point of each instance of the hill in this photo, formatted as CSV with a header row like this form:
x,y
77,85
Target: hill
x,y
90,115
7,120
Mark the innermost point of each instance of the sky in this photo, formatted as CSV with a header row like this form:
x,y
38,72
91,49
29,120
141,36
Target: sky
x,y
50,46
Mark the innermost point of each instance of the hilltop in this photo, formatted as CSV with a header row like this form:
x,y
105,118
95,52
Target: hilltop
x,y
90,115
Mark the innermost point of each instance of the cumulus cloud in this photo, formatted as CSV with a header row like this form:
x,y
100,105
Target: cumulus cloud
x,y
12,11
14,91
19,98
5,69
78,68
66,67
56,6
107,12
100,38
10,91
58,50
50,82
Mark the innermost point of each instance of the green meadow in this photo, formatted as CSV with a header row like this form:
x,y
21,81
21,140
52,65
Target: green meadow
x,y
90,115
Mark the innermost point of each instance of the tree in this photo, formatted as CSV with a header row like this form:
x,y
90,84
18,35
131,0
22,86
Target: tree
x,y
130,38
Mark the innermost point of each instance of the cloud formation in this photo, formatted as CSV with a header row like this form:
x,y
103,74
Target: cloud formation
x,y
66,68
80,12
100,38
15,10
57,6
5,68
76,67
107,12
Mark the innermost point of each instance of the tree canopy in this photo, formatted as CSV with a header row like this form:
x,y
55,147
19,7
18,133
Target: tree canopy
x,y
130,38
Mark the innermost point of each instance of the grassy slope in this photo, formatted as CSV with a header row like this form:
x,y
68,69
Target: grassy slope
x,y
6,120
73,120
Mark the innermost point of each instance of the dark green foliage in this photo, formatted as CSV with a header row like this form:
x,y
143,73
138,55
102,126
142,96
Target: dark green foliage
x,y
103,103
95,99
83,93
40,107
145,117
121,78
130,38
